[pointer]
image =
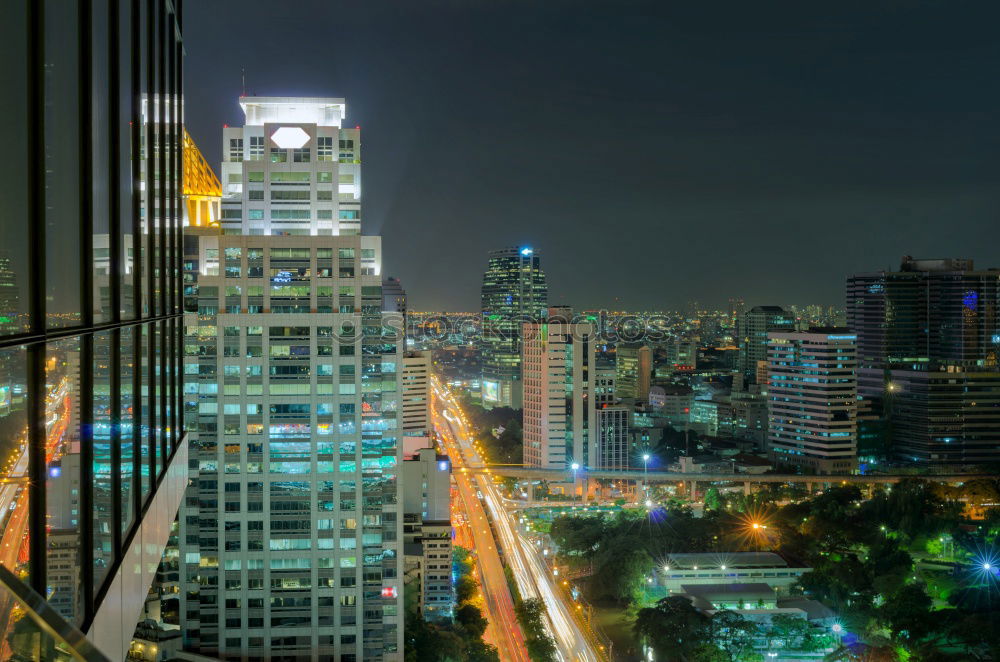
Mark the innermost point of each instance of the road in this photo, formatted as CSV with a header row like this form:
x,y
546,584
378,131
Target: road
x,y
14,502
504,631
530,572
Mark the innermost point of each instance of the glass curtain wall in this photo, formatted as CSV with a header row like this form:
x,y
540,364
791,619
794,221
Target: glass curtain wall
x,y
90,298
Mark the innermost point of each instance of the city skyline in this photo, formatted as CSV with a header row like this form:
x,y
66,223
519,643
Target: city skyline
x,y
730,134
728,387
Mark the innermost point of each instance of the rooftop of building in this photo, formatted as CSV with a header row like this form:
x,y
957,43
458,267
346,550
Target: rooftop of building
x,y
707,560
722,592
322,111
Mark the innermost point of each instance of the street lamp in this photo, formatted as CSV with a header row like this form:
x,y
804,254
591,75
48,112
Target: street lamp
x,y
645,471
574,467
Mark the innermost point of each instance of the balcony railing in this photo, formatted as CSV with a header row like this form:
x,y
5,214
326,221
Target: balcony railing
x,y
32,630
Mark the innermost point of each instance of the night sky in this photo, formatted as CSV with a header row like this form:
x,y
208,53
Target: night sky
x,y
655,153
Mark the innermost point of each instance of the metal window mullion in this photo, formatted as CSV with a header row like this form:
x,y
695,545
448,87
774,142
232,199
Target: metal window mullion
x,y
85,397
150,162
135,151
86,520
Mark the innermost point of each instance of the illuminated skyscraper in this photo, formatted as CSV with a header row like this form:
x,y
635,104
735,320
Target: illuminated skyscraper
x,y
753,330
291,537
292,169
633,371
559,364
514,291
928,344
813,399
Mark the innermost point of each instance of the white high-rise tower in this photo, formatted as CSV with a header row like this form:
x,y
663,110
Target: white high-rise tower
x,y
290,541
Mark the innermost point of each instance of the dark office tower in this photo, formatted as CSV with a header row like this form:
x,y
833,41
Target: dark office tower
x,y
90,392
514,292
928,337
394,299
752,333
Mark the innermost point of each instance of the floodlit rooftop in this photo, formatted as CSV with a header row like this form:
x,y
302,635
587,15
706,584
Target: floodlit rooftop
x,y
322,111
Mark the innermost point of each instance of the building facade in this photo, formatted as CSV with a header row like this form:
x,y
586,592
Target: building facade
x,y
813,399
928,340
753,329
293,168
290,541
633,371
416,397
613,447
514,291
90,358
427,533
558,360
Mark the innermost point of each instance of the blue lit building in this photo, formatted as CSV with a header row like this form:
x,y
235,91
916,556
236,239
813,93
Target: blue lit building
x,y
514,291
813,399
928,339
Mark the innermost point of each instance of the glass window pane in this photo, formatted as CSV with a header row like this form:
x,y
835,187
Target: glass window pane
x,y
127,390
125,161
62,479
14,456
146,410
14,266
145,119
101,144
158,396
62,164
104,555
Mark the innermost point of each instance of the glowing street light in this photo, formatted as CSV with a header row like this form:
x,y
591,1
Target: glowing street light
x,y
645,472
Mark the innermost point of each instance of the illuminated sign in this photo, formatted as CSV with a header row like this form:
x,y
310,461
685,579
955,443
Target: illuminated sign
x,y
491,391
970,300
443,465
389,592
282,277
526,251
290,137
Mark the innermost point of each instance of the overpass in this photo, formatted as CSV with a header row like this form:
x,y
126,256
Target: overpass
x,y
522,472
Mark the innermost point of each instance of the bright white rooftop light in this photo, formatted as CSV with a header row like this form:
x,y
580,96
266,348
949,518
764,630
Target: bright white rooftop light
x,y
290,137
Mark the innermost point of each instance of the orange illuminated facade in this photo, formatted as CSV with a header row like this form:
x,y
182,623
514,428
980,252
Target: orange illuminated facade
x,y
202,190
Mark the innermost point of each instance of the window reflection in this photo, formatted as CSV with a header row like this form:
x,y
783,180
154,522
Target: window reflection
x,y
62,478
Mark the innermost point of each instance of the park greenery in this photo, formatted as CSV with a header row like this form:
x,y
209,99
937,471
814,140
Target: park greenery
x,y
498,431
460,641
909,575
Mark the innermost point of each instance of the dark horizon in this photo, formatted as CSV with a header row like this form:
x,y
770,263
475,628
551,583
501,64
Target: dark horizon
x,y
653,155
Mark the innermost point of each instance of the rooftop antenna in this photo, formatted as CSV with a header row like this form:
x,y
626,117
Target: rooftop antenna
x,y
243,80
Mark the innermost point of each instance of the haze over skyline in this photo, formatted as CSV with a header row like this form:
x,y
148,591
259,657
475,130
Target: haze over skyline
x,y
762,152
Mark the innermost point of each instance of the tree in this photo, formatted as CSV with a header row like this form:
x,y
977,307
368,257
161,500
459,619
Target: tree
x,y
479,651
712,499
673,628
792,632
888,565
465,589
622,569
907,613
471,619
734,634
